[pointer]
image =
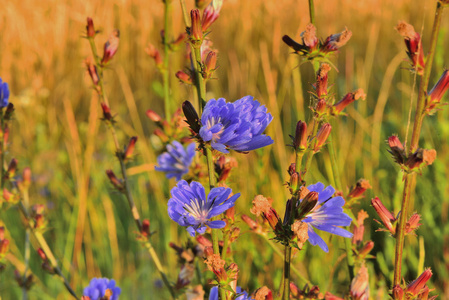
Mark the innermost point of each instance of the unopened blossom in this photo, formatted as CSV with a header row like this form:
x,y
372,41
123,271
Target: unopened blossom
x,y
101,287
360,285
413,43
176,161
211,13
321,136
111,46
437,92
336,41
360,188
189,206
4,94
154,53
385,215
235,125
348,99
300,138
416,286
322,80
327,215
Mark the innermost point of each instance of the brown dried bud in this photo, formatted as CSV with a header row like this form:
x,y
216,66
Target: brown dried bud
x,y
114,180
309,36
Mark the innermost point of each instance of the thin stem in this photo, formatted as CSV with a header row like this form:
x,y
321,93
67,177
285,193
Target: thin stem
x,y
212,184
224,251
419,116
298,161
44,246
26,204
199,80
312,12
420,113
400,234
159,267
311,152
166,71
286,275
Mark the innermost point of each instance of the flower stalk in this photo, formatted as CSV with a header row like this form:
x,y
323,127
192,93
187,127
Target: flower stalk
x,y
419,116
168,7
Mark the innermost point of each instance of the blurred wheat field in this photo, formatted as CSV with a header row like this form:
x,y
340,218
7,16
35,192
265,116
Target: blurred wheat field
x,y
58,133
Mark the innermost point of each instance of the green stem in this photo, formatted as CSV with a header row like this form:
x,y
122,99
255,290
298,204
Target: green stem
x,y
419,116
26,204
224,251
286,275
312,12
44,246
166,71
199,80
311,152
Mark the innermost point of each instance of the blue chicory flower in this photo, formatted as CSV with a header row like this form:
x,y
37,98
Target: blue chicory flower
x,y
189,206
4,94
237,126
176,161
243,295
98,286
326,216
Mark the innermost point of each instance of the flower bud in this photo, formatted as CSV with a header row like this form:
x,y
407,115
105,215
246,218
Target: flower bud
x,y
263,293
360,284
437,92
273,219
92,70
385,215
154,54
336,41
294,182
192,116
322,80
420,158
309,38
2,233
230,213
322,136
294,290
396,149
418,284
211,13
413,223
106,112
196,33
111,47
9,111
348,99
145,231
12,168
300,139
210,65
398,293
114,180
357,192
321,107
184,77
130,148
153,116
307,204
366,249
26,177
359,229
253,225
329,296
90,28
414,46
159,133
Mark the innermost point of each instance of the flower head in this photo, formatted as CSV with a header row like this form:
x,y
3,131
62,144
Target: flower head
x,y
243,295
237,126
327,215
189,206
4,94
176,161
100,287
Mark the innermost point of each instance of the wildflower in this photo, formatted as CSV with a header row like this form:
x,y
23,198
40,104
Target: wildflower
x,y
189,206
242,295
102,287
414,46
437,92
111,46
4,94
327,215
412,224
237,126
176,161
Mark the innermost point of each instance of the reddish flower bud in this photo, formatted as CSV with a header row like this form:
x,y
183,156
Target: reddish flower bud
x,y
396,149
111,46
90,28
273,219
366,249
203,241
418,284
211,13
420,158
329,296
321,107
336,41
385,215
300,139
42,254
413,223
322,80
438,91
26,177
39,221
398,293
92,70
130,148
12,168
294,290
6,134
153,116
145,231
348,99
196,33
250,222
360,285
158,132
309,38
4,247
393,141
359,229
210,65
357,192
155,54
2,232
184,77
114,180
106,112
322,136
414,46
9,111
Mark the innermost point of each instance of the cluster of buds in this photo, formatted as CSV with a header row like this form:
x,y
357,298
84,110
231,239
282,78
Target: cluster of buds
x,y
46,264
416,289
305,293
361,249
199,26
312,48
433,100
413,43
169,131
23,281
389,221
37,214
413,162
